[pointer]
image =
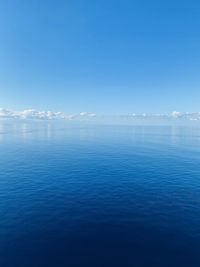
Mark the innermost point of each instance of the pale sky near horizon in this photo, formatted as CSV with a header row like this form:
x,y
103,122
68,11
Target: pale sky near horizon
x,y
114,57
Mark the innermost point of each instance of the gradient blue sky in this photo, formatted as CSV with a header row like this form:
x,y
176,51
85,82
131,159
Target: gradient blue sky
x,y
108,56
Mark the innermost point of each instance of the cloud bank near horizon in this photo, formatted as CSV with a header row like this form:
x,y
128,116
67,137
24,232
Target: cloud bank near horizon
x,y
42,115
50,115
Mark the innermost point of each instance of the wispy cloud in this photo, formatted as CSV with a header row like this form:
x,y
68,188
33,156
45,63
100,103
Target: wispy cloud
x,y
45,115
50,115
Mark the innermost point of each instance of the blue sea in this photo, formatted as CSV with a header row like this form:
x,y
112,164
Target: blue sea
x,y
78,194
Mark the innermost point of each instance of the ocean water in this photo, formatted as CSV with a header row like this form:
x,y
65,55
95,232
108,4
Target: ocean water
x,y
99,195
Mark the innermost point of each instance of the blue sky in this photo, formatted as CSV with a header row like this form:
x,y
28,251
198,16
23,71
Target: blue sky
x,y
112,57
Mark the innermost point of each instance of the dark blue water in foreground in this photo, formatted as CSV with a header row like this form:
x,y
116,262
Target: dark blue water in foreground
x,y
99,195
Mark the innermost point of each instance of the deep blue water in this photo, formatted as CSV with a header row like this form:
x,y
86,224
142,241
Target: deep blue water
x,y
85,195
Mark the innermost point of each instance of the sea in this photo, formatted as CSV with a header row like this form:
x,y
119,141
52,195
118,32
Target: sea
x,y
99,195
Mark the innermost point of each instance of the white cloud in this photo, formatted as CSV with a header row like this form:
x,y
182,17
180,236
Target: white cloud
x,y
31,114
50,115
87,114
176,114
45,115
5,113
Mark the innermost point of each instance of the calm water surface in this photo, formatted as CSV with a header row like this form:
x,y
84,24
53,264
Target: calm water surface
x,y
85,195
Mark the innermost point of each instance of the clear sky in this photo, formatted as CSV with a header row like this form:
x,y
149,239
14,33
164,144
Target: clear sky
x,y
105,56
